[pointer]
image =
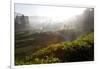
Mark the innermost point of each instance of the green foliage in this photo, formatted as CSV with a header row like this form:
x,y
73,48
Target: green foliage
x,y
81,49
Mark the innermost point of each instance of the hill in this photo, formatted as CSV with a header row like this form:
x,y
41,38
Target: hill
x,y
81,49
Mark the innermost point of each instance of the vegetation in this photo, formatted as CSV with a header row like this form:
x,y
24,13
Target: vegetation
x,y
50,41
81,49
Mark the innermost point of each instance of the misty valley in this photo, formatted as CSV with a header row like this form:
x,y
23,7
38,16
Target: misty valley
x,y
42,39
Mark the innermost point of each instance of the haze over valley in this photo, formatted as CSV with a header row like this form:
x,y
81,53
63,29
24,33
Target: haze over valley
x,y
43,32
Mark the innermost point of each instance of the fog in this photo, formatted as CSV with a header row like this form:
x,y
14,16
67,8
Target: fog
x,y
65,21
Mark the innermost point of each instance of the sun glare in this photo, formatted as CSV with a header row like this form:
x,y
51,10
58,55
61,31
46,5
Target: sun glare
x,y
53,12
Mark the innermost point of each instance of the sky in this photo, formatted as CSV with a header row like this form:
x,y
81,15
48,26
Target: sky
x,y
48,11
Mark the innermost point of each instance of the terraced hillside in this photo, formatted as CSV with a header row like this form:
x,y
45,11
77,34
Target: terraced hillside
x,y
81,49
28,42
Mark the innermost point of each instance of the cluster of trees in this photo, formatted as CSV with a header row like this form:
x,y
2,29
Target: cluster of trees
x,y
21,22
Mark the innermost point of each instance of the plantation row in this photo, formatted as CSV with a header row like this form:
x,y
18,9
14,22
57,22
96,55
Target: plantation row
x,y
81,49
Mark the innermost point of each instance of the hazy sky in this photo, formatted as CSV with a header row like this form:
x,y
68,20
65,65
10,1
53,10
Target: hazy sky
x,y
49,11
